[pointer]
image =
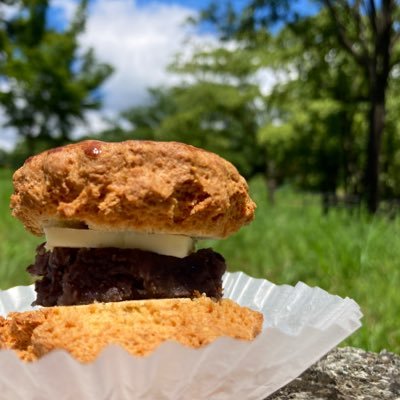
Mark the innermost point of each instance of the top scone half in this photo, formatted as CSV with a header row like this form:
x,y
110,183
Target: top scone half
x,y
121,220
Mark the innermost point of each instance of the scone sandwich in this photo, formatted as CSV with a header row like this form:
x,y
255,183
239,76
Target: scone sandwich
x,y
119,263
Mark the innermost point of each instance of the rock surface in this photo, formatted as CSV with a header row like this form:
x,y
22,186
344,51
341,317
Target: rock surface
x,y
347,374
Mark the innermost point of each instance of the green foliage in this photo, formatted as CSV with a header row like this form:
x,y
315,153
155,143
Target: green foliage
x,y
314,110
344,56
17,247
50,82
390,174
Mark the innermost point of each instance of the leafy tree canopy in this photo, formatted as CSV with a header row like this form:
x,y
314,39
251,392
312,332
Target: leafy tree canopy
x,y
48,81
346,53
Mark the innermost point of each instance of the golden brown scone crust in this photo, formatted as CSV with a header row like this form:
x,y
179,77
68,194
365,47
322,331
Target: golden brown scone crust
x,y
138,326
16,331
146,186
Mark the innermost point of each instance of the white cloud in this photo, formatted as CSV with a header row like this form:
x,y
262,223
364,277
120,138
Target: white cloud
x,y
139,42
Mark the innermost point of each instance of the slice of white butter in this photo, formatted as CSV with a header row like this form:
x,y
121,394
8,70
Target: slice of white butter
x,y
170,245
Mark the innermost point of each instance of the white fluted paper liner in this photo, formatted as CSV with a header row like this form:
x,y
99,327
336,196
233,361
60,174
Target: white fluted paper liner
x,y
301,324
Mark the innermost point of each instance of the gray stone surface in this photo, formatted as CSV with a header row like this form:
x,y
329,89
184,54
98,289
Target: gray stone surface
x,y
347,373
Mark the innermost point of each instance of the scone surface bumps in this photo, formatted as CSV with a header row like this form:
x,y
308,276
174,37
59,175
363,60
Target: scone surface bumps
x,y
163,187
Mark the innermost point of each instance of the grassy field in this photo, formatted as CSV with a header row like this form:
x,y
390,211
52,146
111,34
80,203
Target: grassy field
x,y
350,255
16,245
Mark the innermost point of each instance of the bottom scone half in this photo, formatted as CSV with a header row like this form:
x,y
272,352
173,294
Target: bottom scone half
x,y
139,326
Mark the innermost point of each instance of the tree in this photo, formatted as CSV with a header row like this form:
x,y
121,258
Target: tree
x,y
49,82
365,30
370,40
310,135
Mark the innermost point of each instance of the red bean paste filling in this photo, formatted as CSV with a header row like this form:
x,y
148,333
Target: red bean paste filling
x,y
68,276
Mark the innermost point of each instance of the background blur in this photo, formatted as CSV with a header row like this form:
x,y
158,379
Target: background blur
x,y
302,96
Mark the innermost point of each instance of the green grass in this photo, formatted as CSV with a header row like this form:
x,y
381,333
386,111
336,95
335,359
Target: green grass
x,y
349,255
17,247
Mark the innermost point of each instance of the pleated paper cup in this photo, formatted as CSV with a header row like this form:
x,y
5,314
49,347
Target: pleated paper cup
x,y
301,324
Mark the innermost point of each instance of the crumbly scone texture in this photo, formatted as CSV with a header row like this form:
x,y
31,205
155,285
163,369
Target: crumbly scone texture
x,y
145,186
138,326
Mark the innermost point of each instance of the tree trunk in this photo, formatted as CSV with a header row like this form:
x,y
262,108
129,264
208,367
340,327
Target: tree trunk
x,y
379,69
377,115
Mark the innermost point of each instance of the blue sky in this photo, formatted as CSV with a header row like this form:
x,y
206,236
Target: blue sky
x,y
303,6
